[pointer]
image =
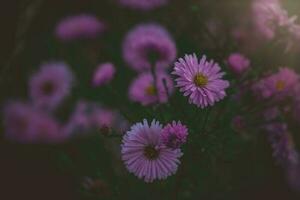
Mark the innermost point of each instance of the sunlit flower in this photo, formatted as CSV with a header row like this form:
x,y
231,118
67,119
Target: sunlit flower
x,y
80,26
50,85
280,84
147,45
145,155
144,91
201,81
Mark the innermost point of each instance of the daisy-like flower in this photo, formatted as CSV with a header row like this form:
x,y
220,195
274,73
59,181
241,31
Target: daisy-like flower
x,y
145,155
144,91
24,124
201,81
143,4
279,85
174,135
80,26
50,85
238,63
148,44
104,74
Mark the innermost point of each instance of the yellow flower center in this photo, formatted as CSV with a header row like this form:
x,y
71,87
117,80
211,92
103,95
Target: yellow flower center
x,y
200,80
280,85
150,152
150,90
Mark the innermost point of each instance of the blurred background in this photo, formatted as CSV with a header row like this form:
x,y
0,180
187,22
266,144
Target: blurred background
x,y
241,168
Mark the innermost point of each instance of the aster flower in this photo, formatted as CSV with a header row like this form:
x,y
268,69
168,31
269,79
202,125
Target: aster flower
x,y
174,135
148,44
145,155
238,63
271,20
50,85
144,91
277,85
80,26
104,74
201,81
282,144
24,124
143,4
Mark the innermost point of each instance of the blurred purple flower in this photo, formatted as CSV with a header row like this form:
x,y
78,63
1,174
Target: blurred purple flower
x,y
201,81
145,155
24,124
80,26
279,85
144,91
238,63
143,4
148,44
104,74
282,144
174,135
270,19
50,85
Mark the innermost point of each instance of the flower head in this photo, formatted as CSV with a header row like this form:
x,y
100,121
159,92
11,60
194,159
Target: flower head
x,y
238,63
280,84
147,45
104,74
143,4
145,155
144,91
174,135
80,26
24,124
50,85
201,81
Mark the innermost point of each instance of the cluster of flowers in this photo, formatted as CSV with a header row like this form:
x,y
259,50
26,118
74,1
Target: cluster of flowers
x,y
34,122
151,151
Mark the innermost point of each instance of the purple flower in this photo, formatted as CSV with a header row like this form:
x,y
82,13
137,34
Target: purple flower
x,y
201,81
238,63
144,91
280,84
80,26
145,155
50,85
174,135
104,74
148,44
143,4
24,124
104,117
282,144
271,20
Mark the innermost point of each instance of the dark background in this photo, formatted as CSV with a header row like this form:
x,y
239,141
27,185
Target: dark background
x,y
28,171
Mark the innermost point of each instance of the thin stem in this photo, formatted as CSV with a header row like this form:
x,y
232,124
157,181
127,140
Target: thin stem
x,y
205,120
